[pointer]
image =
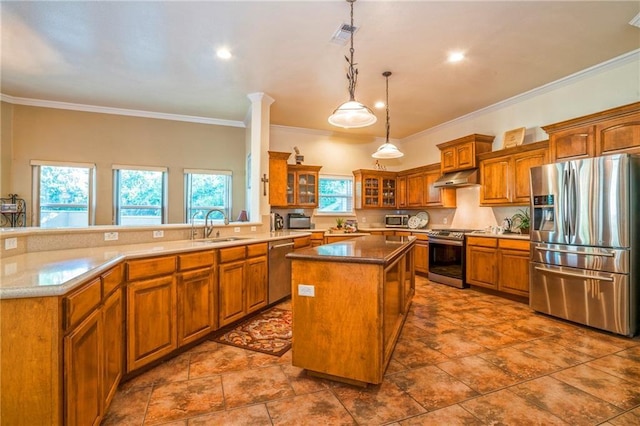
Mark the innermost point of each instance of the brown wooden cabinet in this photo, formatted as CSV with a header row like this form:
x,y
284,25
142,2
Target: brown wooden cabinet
x,y
460,154
243,281
154,297
611,131
278,178
504,175
317,238
420,191
197,296
500,264
83,368
421,253
375,189
302,186
292,185
93,348
482,265
401,199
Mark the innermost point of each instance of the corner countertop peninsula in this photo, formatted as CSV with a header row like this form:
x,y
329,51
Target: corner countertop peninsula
x,y
350,300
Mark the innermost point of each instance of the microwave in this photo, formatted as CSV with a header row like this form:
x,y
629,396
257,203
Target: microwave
x,y
396,220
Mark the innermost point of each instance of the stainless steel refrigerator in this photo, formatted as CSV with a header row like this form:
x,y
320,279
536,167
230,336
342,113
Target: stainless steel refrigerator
x,y
585,235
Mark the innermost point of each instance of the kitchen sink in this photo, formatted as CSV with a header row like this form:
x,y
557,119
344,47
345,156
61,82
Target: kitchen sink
x,y
223,239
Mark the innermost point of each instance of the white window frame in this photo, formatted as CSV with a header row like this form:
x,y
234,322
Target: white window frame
x,y
116,190
36,166
320,195
227,208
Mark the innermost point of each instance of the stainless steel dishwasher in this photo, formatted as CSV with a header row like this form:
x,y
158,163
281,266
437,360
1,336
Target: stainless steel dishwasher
x,y
279,269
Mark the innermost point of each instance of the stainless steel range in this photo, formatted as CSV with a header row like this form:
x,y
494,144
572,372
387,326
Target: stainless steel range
x,y
447,256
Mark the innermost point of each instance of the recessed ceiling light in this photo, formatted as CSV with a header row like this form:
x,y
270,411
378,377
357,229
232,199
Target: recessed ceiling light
x,y
456,56
223,53
379,104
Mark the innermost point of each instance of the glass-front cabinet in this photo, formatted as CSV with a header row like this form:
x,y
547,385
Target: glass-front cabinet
x,y
302,186
375,189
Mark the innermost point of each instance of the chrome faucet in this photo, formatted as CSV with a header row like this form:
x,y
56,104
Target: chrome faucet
x,y
208,229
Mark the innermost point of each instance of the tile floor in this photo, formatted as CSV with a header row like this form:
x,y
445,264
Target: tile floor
x,y
464,357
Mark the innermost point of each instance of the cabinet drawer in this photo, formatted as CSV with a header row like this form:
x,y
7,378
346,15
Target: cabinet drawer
x,y
80,303
482,241
507,243
146,268
419,236
230,254
200,259
254,250
112,279
301,242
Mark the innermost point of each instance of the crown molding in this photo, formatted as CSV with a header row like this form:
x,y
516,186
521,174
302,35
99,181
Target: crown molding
x,y
633,56
119,111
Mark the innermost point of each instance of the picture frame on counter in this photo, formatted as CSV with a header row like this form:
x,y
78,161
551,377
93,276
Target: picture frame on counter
x,y
513,137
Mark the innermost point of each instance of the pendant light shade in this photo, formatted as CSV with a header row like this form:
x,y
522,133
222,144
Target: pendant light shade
x,y
352,114
387,149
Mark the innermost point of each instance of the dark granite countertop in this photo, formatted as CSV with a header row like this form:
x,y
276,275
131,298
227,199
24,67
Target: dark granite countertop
x,y
378,249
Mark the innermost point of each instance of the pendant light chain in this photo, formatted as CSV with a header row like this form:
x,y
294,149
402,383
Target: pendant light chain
x,y
387,74
352,75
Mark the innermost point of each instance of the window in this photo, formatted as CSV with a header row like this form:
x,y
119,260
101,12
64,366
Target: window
x,y
206,190
140,195
63,194
336,194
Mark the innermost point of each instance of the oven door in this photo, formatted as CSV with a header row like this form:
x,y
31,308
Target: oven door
x,y
447,261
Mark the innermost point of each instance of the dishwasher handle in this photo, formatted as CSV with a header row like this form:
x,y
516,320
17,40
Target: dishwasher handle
x,y
280,246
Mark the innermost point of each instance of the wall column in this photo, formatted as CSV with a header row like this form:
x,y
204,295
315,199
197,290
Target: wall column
x,y
259,124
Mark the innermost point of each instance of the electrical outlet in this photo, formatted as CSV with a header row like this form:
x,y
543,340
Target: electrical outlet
x,y
444,221
253,229
158,234
110,236
236,229
306,290
10,243
364,219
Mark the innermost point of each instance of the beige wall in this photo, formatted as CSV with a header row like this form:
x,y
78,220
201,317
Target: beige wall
x,y
6,131
104,139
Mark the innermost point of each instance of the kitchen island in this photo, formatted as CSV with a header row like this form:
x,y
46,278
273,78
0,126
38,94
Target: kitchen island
x,y
350,300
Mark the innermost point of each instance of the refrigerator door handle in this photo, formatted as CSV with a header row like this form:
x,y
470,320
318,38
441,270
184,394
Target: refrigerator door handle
x,y
564,204
572,201
573,274
603,254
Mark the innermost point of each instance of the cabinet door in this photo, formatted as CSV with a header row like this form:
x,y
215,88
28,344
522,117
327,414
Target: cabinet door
x,y
151,320
421,253
465,156
392,306
232,298
514,272
437,197
571,144
278,178
495,174
415,190
307,184
83,372
402,192
113,320
291,188
388,192
481,266
448,159
522,163
619,135
195,305
371,191
257,283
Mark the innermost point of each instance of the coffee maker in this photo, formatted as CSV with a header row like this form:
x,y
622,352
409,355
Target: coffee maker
x,y
276,222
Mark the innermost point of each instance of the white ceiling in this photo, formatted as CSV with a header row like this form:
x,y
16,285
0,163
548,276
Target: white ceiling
x,y
160,56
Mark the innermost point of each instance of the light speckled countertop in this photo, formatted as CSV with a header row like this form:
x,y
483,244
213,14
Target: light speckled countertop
x,y
56,272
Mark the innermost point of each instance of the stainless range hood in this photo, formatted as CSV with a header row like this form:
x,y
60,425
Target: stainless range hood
x,y
457,179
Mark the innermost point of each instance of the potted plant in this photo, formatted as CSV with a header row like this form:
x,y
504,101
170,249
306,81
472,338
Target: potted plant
x,y
522,221
339,222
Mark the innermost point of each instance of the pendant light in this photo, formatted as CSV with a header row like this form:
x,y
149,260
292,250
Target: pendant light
x,y
387,150
352,114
